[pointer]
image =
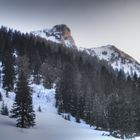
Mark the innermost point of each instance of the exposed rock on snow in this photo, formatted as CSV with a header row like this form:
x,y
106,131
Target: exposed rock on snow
x,y
59,34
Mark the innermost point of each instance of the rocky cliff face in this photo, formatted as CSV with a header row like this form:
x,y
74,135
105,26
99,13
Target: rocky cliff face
x,y
59,34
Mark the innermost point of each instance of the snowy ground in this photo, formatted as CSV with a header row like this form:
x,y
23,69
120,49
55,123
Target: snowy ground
x,y
49,125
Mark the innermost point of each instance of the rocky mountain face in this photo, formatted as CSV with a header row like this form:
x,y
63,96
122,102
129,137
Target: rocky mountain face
x,y
116,58
59,33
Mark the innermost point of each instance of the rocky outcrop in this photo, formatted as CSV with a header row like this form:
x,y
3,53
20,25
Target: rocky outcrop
x,y
59,34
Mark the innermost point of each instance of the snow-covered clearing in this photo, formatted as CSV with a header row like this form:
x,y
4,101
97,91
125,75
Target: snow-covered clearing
x,y
49,125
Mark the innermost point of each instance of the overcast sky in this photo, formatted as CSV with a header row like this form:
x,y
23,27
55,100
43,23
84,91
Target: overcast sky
x,y
93,22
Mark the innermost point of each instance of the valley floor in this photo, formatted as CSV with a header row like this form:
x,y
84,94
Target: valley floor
x,y
49,125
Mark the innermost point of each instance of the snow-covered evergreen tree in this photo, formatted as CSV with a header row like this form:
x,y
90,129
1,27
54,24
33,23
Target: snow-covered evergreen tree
x,y
0,96
4,110
8,68
22,108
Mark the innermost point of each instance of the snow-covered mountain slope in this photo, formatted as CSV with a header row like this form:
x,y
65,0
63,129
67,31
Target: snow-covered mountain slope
x,y
49,125
59,34
116,58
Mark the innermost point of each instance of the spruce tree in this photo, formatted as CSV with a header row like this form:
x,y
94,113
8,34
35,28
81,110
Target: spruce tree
x,y
4,110
22,108
8,68
67,90
0,96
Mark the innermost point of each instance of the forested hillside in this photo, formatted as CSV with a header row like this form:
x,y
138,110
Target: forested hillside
x,y
86,87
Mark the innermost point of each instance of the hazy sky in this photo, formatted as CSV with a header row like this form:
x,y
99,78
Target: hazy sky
x,y
93,22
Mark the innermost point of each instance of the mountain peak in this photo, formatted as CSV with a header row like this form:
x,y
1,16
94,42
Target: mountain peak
x,y
116,58
60,33
61,28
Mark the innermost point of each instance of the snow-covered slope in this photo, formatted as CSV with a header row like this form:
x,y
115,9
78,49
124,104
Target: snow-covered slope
x,y
59,33
116,58
49,125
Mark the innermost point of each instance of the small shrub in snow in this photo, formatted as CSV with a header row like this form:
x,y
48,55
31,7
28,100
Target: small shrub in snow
x,y
39,109
38,95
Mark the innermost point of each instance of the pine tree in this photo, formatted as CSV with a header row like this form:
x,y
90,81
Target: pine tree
x,y
8,68
4,110
67,90
22,108
0,96
49,75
